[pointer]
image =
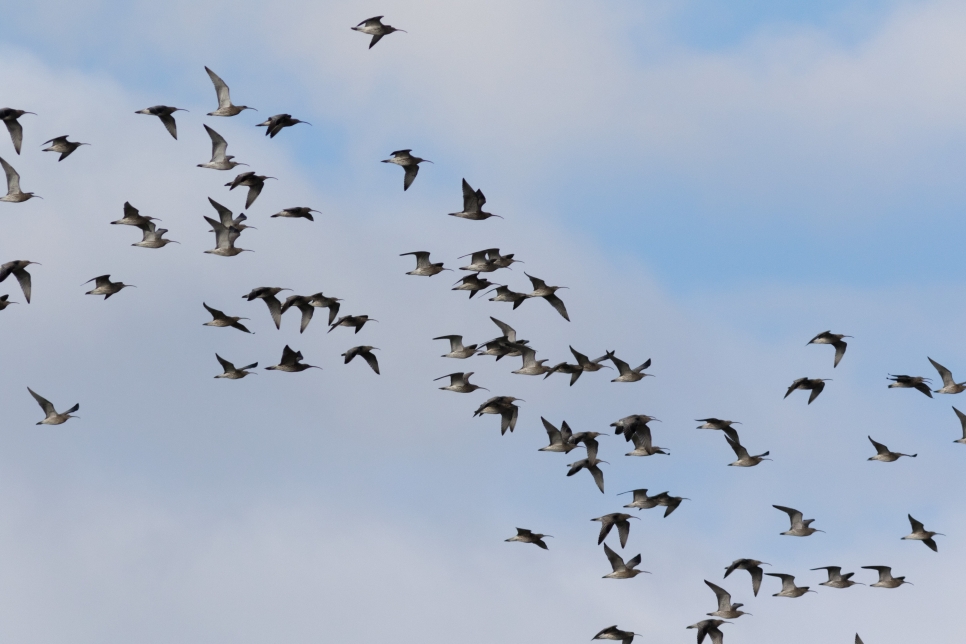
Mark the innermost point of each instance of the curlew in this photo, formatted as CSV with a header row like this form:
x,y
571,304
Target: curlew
x,y
883,454
374,27
459,382
619,519
799,527
165,113
622,569
276,123
267,294
14,193
528,536
789,589
407,162
531,366
225,108
753,566
425,268
950,386
104,286
304,305
726,610
365,352
472,283
626,373
51,416
886,580
744,458
254,183
291,362
910,382
473,207
709,628
351,321
836,579
835,339
504,406
919,533
815,385
561,440
591,465
456,348
18,268
9,117
219,159
225,237
232,372
300,212
219,319
644,444
540,289
614,633
62,146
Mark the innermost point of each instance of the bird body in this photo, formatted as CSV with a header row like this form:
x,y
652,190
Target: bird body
x,y
591,465
104,286
709,628
62,146
133,217
607,523
51,416
726,610
267,294
626,373
219,159
473,209
291,362
836,579
425,268
531,366
753,566
375,28
254,183
364,352
527,536
950,386
789,589
303,304
744,458
153,237
561,440
320,301
165,113
9,117
504,294
225,237
799,527
504,406
886,580
815,385
4,302
219,319
472,283
301,212
232,372
459,382
352,321
884,455
225,107
622,569
276,123
643,443
835,339
541,289
614,633
456,348
919,533
910,382
14,193
407,162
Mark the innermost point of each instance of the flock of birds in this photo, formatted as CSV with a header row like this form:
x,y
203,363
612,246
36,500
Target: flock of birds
x,y
482,264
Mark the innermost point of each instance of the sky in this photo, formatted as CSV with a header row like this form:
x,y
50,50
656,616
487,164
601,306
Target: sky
x,y
715,183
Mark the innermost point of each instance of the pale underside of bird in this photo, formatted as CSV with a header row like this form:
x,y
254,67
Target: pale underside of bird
x,y
789,589
153,237
220,160
165,113
254,183
9,117
219,319
14,193
910,382
622,569
425,268
884,455
407,162
561,440
291,362
709,628
800,527
459,382
642,501
231,372
225,107
299,212
528,536
267,294
815,385
506,407
753,566
591,465
51,416
375,28
835,339
104,286
225,237
62,146
352,322
18,268
276,123
950,386
614,633
456,348
473,202
886,580
364,352
726,610
607,523
836,579
744,458
919,533
541,289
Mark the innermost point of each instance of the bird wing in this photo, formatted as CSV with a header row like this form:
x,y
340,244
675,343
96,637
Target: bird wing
x,y
101,280
537,282
642,438
858,640
376,38
606,525
916,525
717,637
724,599
879,447
558,305
240,327
58,140
816,390
480,198
275,309
13,179
16,133
565,433
170,124
218,145
924,388
794,386
227,366
622,366
552,432
840,348
640,368
307,311
289,356
253,191
592,447
793,515
43,402
756,573
223,213
215,313
581,358
221,89
931,543
615,559
508,331
740,451
944,373
634,561
623,531
411,170
962,420
23,277
598,476
470,201
370,359
885,572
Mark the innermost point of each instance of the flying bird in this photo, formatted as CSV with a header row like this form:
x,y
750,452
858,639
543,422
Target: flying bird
x,y
643,443
910,382
219,159
62,146
409,163
320,301
504,294
642,501
950,386
883,454
789,589
153,237
919,533
531,366
274,124
726,610
836,579
561,440
232,372
456,348
18,268
619,519
709,628
219,319
304,305
744,458
799,527
51,416
291,362
591,465
540,289
527,536
165,113
4,302
104,286
375,28
753,566
425,268
816,385
133,217
254,183
225,108
459,382
351,321
473,206
267,294
472,283
506,407
301,212
886,580
962,422
225,237
9,117
722,425
835,339
364,352
614,633
622,569
626,373
14,193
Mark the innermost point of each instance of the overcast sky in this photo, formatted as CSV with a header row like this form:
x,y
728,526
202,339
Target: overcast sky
x,y
714,182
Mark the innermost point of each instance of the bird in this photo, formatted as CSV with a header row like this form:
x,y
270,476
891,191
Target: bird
x,y
531,366
950,386
104,286
589,439
584,364
591,465
233,373
225,237
487,261
962,422
165,113
301,212
4,302
459,382
816,385
753,566
789,589
473,207
375,28
365,352
225,108
919,533
51,415
472,283
456,348
723,425
630,424
622,569
354,321
320,301
133,217
642,501
409,163
670,503
227,218
274,124
910,382
14,193
9,117
886,580
527,536
291,362
267,294
626,373
561,440
303,304
643,443
835,339
153,237
219,319
62,146
607,523
504,294
836,579
219,160
745,459
883,454
254,182
540,289
18,268
799,527
504,406
726,610
614,633
424,268
709,628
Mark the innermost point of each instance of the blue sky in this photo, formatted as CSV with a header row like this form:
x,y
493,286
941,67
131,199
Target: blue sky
x,y
715,183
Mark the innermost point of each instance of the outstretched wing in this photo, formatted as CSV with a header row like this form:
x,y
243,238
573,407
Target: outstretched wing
x,y
13,179
43,402
411,170
840,348
16,133
224,214
219,145
227,366
221,89
558,305
944,373
170,124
